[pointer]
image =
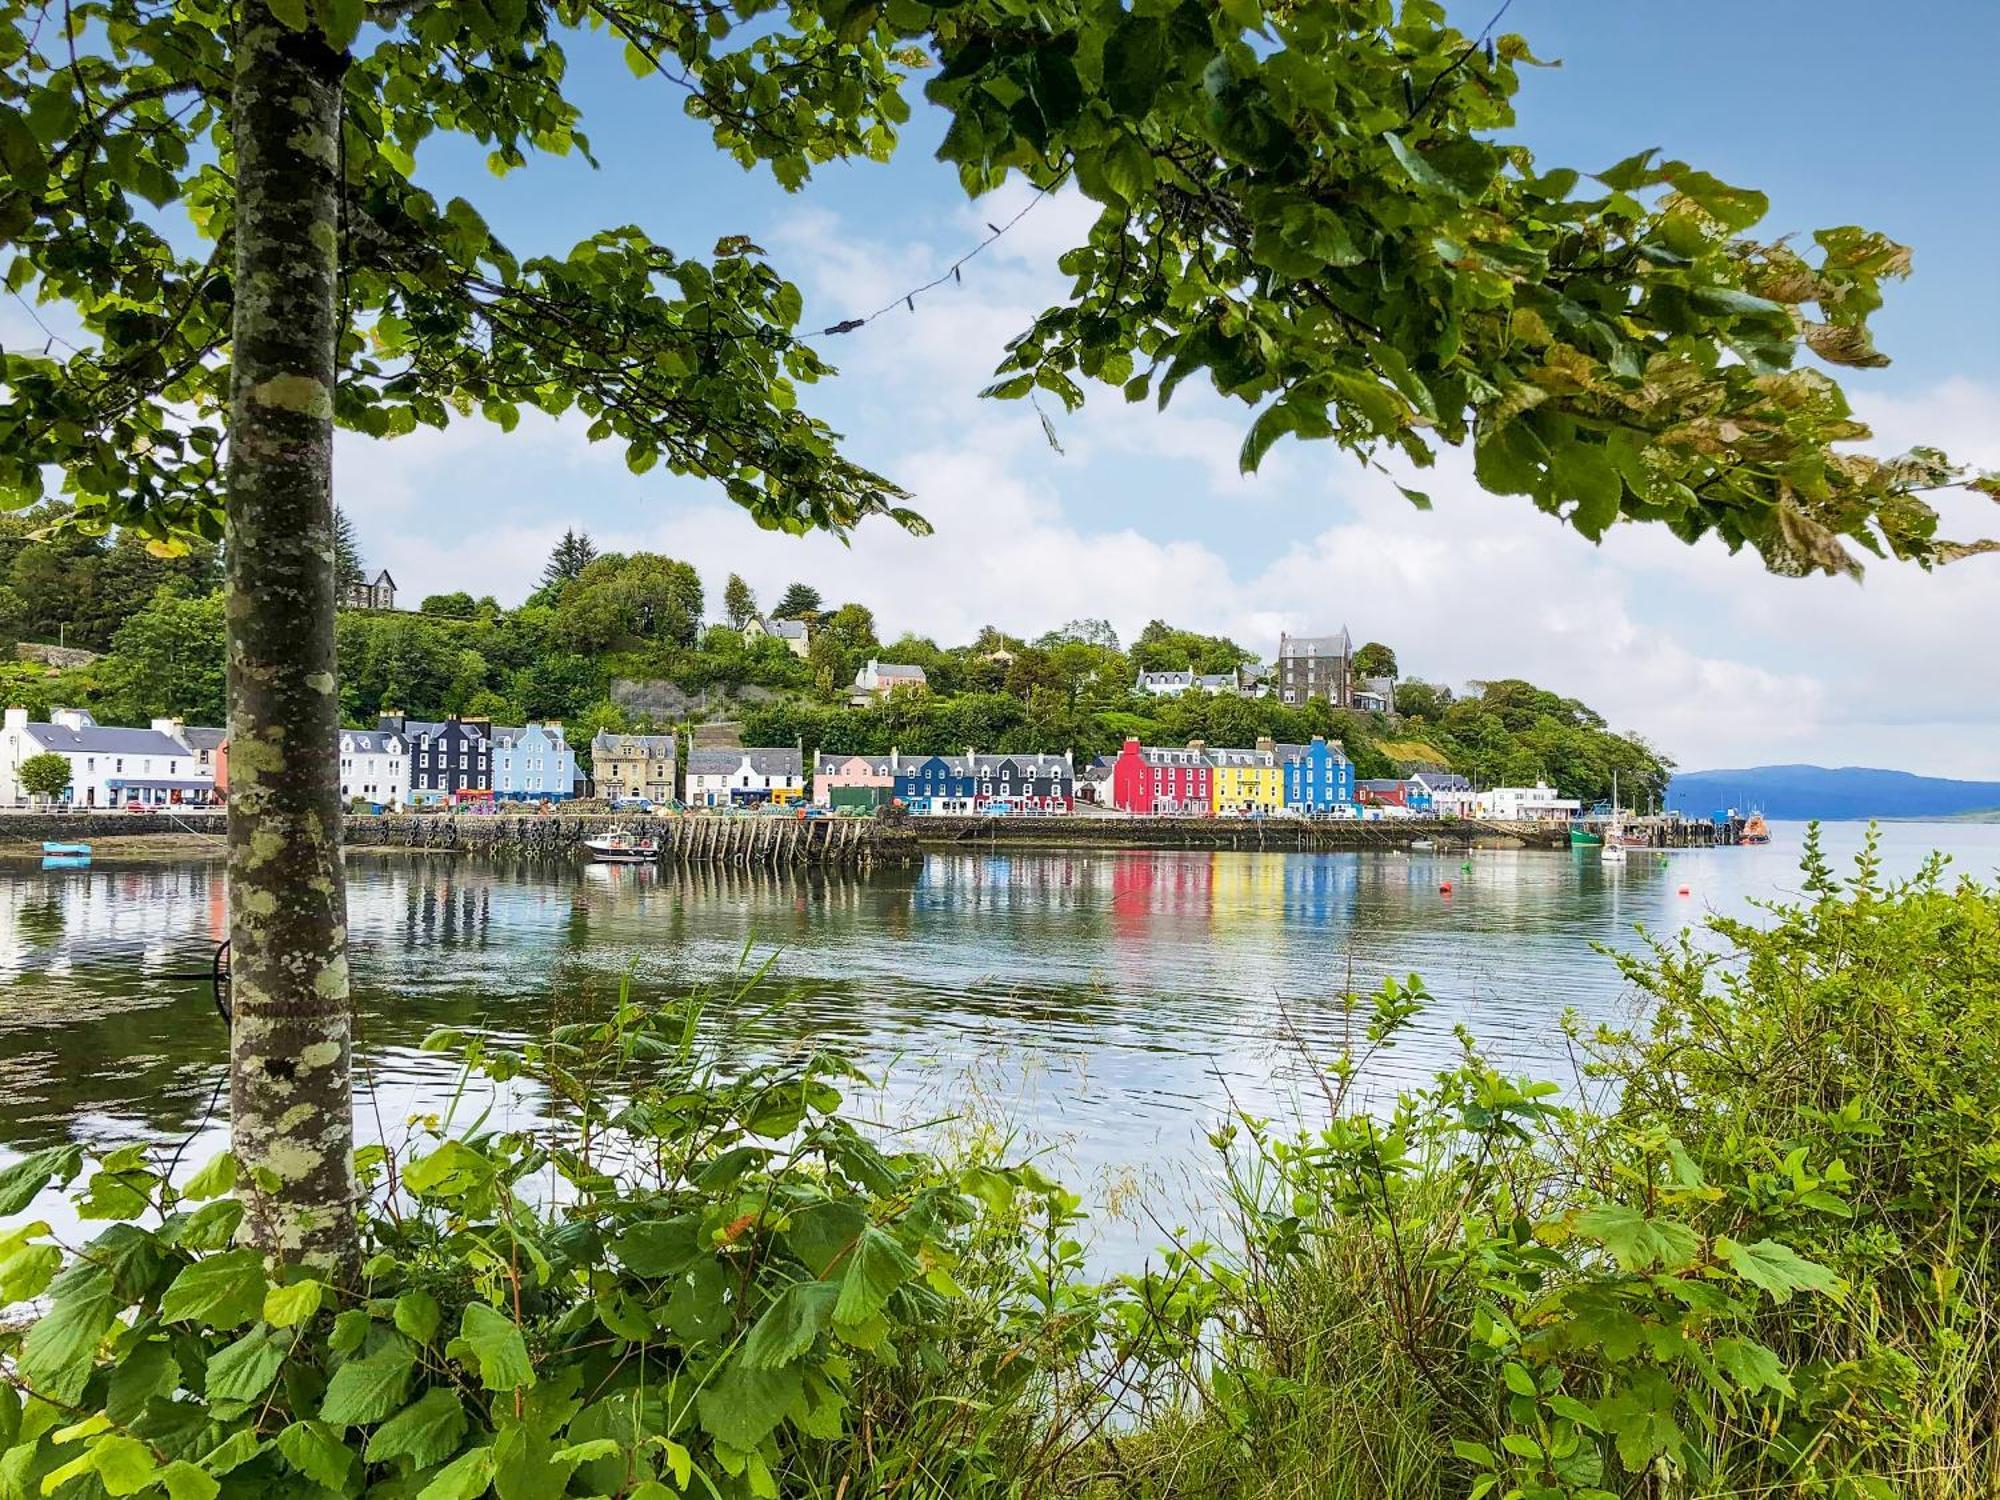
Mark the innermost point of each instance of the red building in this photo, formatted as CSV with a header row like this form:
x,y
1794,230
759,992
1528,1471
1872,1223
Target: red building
x,y
1164,783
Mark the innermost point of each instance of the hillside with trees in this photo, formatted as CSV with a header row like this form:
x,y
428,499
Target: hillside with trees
x,y
599,620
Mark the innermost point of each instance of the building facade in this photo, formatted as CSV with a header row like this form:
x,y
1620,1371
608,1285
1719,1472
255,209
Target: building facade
x,y
1316,666
1163,782
110,766
378,592
374,767
1540,803
533,763
1247,783
624,766
745,777
1023,783
1450,793
878,679
451,760
937,785
854,783
1319,778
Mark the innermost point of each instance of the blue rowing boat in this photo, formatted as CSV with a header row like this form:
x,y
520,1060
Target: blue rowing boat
x,y
52,846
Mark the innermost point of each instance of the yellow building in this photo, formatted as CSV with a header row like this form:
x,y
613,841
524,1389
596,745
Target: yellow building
x,y
633,765
1246,783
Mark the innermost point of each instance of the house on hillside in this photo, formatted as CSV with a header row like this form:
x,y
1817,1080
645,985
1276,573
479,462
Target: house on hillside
x,y
376,593
533,763
791,632
451,760
110,766
1540,803
878,679
745,777
1163,684
374,767
1315,666
634,765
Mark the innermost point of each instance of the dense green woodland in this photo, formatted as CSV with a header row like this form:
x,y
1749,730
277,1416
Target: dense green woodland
x,y
597,619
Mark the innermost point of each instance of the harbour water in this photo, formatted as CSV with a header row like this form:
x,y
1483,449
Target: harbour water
x,y
1109,1004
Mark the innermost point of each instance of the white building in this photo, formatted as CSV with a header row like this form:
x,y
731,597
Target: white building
x,y
374,767
791,632
1525,804
739,777
110,766
533,763
1164,684
1450,793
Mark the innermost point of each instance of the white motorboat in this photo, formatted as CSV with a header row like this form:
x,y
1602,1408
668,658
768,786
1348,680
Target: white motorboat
x,y
620,847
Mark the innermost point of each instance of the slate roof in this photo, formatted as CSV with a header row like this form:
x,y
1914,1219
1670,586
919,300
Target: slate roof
x,y
1236,757
878,765
786,630
374,741
1443,781
104,739
200,737
765,760
1038,765
635,746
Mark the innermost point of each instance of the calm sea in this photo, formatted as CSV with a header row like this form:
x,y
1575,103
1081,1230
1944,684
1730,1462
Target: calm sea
x,y
1109,1005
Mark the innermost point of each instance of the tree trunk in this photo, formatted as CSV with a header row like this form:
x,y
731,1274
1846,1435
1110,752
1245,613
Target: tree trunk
x,y
291,1098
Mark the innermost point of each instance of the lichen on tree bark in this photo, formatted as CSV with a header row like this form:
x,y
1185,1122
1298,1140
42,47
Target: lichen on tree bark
x,y
291,1099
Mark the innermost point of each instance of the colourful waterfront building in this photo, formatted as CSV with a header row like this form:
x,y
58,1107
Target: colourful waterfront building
x,y
1319,778
1246,783
1162,782
938,785
857,783
1024,783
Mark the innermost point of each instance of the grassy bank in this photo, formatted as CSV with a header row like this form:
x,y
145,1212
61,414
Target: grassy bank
x,y
1747,1251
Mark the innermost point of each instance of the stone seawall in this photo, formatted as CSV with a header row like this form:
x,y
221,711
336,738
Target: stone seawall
x,y
1330,834
694,840
30,830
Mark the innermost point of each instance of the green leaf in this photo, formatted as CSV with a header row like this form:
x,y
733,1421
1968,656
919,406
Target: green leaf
x,y
742,1406
493,1340
368,1389
698,1310
426,1432
316,1450
524,1466
183,1481
1639,1243
1752,1366
213,1180
1421,172
124,1464
1732,207
22,1183
61,1349
220,1291
875,1268
821,1234
245,1369
790,1325
285,1306
417,1315
1135,62
291,12
464,1478
1778,1269
659,1247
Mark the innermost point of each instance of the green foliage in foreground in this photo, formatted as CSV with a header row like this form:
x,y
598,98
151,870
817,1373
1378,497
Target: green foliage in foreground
x,y
1762,1265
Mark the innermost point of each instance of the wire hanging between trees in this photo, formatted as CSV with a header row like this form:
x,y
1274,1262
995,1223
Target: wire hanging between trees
x,y
951,273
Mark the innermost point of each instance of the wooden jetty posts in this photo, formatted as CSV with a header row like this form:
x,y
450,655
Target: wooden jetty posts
x,y
742,842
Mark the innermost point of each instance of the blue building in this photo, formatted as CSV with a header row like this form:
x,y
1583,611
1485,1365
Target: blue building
x,y
938,785
1319,778
533,763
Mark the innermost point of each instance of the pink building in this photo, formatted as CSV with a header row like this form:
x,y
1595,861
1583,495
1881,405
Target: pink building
x,y
862,782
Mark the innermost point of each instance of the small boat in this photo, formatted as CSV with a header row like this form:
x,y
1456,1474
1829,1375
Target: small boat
x,y
1585,838
618,847
1755,830
1422,846
56,847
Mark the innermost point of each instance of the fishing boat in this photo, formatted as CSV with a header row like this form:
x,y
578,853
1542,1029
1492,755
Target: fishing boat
x,y
1755,830
619,847
1617,837
1422,846
57,847
1585,838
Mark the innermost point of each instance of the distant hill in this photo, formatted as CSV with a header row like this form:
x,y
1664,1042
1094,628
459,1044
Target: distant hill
x,y
1830,793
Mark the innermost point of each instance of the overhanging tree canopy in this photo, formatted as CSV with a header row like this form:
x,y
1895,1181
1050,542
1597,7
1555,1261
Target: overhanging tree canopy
x,y
1310,204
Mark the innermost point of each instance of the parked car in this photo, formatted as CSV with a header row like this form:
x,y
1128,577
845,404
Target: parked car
x,y
633,804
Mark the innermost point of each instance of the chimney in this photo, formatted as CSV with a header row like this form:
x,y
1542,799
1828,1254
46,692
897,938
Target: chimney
x,y
17,718
1267,745
1197,744
70,718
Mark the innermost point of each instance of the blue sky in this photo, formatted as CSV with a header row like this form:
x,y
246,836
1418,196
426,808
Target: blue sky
x,y
1838,110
